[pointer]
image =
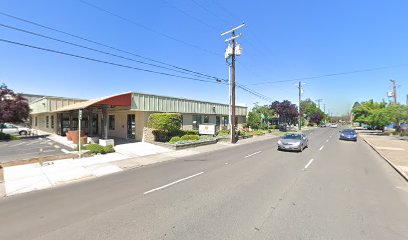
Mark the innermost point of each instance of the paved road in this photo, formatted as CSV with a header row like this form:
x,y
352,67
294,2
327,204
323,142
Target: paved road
x,y
27,148
246,192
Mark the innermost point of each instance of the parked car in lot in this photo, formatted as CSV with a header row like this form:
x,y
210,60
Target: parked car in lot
x,y
333,125
14,129
322,125
293,142
348,134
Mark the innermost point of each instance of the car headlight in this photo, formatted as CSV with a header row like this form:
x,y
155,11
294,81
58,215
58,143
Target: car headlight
x,y
296,143
279,142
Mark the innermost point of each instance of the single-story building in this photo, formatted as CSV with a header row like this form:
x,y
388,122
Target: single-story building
x,y
124,115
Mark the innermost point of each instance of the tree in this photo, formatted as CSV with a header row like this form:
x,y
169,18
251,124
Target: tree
x,y
13,107
287,111
365,109
317,117
398,114
259,115
379,118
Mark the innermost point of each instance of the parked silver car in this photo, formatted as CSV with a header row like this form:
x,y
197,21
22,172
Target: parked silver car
x,y
14,129
293,142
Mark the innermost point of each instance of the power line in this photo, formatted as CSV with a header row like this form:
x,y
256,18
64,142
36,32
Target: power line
x,y
106,62
190,15
146,27
107,53
98,43
329,75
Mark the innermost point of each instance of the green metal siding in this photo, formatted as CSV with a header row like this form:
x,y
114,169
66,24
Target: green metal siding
x,y
154,103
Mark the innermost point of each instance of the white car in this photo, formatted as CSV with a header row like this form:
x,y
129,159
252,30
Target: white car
x,y
333,125
14,129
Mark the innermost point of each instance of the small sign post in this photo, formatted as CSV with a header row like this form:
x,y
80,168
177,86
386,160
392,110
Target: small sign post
x,y
79,131
206,129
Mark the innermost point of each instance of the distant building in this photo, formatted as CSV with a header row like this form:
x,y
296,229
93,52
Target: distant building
x,y
123,115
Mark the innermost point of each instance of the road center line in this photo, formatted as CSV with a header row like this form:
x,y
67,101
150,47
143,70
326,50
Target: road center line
x,y
252,154
327,140
320,149
308,164
172,183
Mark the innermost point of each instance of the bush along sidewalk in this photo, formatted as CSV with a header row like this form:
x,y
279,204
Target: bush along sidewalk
x,y
97,149
7,137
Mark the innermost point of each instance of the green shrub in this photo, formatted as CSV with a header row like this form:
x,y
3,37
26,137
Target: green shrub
x,y
168,122
189,132
5,136
190,137
96,148
174,139
274,127
223,132
108,149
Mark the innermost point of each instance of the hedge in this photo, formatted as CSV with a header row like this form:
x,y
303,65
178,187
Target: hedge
x,y
168,122
164,136
96,148
5,136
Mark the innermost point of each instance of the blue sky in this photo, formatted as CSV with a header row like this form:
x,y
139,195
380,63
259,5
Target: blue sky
x,y
283,40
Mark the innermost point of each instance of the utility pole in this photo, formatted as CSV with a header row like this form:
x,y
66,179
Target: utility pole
x,y
318,102
235,50
300,111
394,90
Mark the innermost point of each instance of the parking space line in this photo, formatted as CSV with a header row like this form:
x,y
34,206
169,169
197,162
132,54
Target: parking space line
x,y
18,144
172,183
31,143
320,149
252,154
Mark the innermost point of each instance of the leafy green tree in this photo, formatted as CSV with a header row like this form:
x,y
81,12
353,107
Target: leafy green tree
x,y
13,107
259,115
379,117
363,111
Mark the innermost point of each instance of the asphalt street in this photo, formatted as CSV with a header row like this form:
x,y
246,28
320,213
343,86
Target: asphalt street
x,y
332,190
27,148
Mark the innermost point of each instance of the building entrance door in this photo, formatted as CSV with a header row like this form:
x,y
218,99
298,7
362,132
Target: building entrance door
x,y
95,125
131,126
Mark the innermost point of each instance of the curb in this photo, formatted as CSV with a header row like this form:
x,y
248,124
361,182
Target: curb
x,y
400,172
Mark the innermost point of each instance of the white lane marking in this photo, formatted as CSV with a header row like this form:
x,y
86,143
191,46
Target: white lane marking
x,y
64,151
56,146
172,183
308,164
226,163
49,143
327,140
320,149
252,154
330,136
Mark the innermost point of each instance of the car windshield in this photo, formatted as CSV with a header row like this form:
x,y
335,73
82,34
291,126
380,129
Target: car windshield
x,y
292,136
348,131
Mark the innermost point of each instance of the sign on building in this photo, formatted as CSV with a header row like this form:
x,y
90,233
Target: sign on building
x,y
207,129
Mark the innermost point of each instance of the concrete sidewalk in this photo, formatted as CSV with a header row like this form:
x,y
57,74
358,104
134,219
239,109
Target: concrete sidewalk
x,y
36,176
393,149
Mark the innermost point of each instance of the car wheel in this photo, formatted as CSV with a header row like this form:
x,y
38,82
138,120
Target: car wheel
x,y
23,132
301,149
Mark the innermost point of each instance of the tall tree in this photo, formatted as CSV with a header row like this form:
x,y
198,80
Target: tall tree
x,y
13,107
287,111
259,115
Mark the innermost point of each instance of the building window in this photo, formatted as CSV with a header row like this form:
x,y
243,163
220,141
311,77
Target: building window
x,y
111,122
225,121
52,121
35,121
196,121
47,121
206,119
217,120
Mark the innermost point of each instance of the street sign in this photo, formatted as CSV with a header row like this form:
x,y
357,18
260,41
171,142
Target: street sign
x,y
80,114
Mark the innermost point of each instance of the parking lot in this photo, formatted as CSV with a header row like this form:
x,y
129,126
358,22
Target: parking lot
x,y
27,148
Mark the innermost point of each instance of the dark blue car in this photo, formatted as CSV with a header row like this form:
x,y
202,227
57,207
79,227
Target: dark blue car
x,y
348,134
